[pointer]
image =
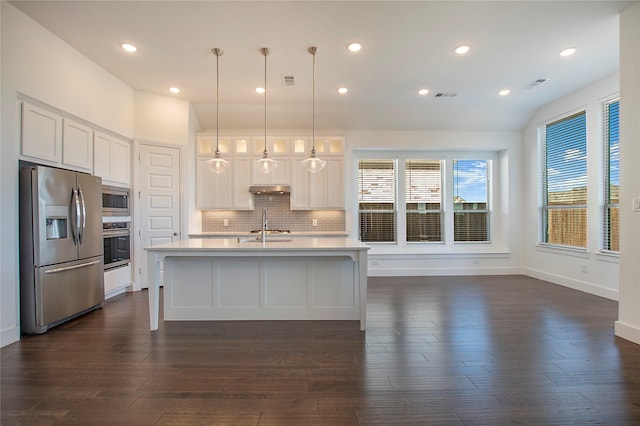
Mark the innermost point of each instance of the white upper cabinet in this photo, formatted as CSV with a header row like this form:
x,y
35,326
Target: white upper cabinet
x,y
77,145
112,159
49,137
228,190
322,190
41,133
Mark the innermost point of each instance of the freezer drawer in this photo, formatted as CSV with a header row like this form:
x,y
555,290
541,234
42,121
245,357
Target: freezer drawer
x,y
60,292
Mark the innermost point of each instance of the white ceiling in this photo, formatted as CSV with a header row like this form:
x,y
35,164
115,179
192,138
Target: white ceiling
x,y
407,46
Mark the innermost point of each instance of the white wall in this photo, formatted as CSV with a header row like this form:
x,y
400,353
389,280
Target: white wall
x,y
161,118
628,325
560,266
502,256
40,65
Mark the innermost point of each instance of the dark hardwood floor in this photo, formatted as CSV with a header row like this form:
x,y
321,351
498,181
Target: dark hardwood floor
x,y
438,351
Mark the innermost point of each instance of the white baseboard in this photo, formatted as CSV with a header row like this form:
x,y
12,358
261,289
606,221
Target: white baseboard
x,y
9,336
431,272
628,332
586,287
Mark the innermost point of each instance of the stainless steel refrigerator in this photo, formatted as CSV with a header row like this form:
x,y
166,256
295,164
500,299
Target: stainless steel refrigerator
x,y
61,247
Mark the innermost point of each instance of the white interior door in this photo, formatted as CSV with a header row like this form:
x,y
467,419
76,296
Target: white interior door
x,y
159,200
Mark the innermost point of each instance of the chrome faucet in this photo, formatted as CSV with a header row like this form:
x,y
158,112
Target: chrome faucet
x,y
265,224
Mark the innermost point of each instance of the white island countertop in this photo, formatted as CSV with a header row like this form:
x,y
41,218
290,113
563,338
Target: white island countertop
x,y
273,243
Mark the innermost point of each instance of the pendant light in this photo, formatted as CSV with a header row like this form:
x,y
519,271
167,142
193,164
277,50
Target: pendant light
x,y
266,164
217,164
313,164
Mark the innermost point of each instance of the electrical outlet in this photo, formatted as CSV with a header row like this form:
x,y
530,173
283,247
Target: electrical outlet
x,y
225,222
583,268
636,204
314,222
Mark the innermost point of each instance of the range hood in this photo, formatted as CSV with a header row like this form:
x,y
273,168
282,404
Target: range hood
x,y
270,189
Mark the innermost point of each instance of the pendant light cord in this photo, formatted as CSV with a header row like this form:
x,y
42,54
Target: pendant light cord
x,y
313,51
217,52
265,52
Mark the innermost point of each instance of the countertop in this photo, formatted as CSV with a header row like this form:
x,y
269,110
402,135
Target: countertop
x,y
250,244
232,234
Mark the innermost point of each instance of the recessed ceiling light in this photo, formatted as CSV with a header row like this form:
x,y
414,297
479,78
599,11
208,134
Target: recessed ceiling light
x,y
174,90
260,90
354,47
568,52
461,50
129,47
423,92
342,90
504,92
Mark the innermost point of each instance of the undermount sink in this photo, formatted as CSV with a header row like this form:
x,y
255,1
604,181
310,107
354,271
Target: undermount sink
x,y
268,238
270,231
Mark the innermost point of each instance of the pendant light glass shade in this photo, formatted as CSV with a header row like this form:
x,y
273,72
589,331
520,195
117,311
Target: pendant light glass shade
x,y
266,164
217,164
313,164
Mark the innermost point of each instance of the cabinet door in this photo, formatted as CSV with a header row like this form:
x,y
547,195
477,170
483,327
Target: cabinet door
x,y
327,186
213,191
77,145
111,159
41,133
120,162
243,199
299,186
102,155
335,183
280,176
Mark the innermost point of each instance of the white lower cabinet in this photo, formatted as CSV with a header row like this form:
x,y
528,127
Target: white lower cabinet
x,y
117,280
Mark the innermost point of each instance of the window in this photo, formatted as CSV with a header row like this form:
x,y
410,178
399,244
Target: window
x,y
377,200
611,225
424,200
564,182
470,201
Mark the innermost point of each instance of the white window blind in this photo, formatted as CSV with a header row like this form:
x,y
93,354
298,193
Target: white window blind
x,y
611,218
424,200
564,182
377,200
470,200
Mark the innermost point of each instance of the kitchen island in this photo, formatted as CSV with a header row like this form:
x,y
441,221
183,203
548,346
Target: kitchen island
x,y
248,279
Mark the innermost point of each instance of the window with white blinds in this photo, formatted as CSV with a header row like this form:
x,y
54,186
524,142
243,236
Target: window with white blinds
x,y
424,211
611,218
563,212
470,201
377,200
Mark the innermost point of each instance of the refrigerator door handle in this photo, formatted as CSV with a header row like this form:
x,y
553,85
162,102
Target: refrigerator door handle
x,y
75,222
68,268
83,221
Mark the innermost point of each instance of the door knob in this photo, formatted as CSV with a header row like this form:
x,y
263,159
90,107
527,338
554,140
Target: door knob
x,y
175,234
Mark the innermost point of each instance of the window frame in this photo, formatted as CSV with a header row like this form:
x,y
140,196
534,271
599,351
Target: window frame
x,y
447,245
440,211
606,205
544,207
486,211
394,211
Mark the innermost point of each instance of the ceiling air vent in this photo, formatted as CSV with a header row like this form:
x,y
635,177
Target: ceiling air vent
x,y
445,95
536,82
289,80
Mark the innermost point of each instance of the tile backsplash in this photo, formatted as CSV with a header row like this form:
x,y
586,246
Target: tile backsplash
x,y
279,215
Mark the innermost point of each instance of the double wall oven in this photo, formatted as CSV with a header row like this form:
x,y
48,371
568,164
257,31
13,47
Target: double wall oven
x,y
116,227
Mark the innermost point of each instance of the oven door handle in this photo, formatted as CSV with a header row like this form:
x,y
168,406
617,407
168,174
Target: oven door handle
x,y
123,232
